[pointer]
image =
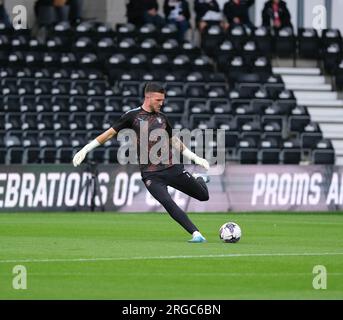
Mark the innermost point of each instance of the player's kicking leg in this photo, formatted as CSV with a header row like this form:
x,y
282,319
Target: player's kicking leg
x,y
193,186
158,189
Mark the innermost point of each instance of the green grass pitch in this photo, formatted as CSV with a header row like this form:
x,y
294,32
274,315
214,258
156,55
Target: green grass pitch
x,y
147,256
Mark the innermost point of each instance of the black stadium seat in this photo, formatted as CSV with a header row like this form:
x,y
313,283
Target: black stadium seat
x,y
3,152
308,43
269,156
290,156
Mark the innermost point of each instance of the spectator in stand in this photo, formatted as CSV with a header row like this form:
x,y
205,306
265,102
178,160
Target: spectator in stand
x,y
52,11
207,13
75,11
236,12
3,15
140,12
177,12
275,14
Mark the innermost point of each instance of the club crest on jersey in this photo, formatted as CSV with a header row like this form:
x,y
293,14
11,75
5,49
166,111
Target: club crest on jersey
x,y
159,120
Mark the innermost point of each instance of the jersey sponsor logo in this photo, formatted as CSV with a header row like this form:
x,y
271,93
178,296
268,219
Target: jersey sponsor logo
x,y
187,173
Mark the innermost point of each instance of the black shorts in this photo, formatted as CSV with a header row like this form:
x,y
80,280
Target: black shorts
x,y
178,178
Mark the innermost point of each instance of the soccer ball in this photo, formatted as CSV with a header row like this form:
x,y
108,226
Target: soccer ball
x,y
230,232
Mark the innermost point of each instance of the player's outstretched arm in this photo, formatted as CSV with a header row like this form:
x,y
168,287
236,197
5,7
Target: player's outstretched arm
x,y
99,140
180,146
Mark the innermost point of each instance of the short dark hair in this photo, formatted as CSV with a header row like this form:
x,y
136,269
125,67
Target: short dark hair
x,y
154,87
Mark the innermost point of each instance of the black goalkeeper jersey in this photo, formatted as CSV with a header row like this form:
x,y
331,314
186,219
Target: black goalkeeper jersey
x,y
143,123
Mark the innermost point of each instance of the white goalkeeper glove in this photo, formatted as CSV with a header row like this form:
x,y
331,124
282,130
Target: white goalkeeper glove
x,y
199,161
81,155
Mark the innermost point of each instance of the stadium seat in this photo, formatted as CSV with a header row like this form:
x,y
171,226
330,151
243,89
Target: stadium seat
x,y
15,155
2,136
79,138
308,43
231,139
211,38
285,43
174,105
176,120
61,121
65,155
30,138
221,121
269,156
29,121
263,39
200,121
332,55
219,106
235,67
274,139
238,36
309,140
32,155
290,156
339,75
62,138
48,155
272,123
197,106
13,121
170,47
3,152
45,121
298,123
10,103
46,139
196,90
291,151
95,121
330,36
63,89
323,156
261,65
175,89
78,120
248,156
98,155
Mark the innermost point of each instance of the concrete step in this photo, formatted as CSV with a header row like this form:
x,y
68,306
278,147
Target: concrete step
x,y
320,103
306,87
298,71
338,145
332,135
330,115
332,131
339,160
304,95
301,79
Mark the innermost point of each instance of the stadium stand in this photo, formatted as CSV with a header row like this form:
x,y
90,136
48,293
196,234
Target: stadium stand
x,y
54,93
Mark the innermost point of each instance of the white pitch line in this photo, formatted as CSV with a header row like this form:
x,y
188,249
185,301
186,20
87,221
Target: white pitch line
x,y
237,255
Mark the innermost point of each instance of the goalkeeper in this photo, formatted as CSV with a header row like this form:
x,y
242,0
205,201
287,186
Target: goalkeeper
x,y
157,177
